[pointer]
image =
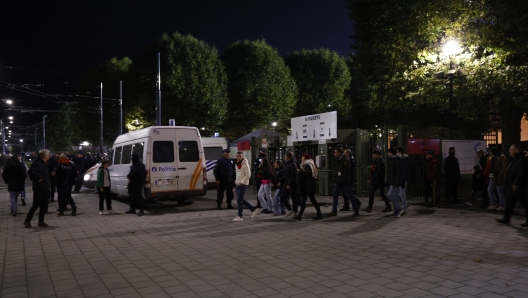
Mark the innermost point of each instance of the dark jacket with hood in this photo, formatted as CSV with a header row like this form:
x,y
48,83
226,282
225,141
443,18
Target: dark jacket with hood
x,y
451,167
377,172
290,173
137,174
395,171
39,170
15,175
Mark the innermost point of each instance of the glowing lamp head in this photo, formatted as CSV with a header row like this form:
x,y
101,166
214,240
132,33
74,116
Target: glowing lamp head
x,y
451,48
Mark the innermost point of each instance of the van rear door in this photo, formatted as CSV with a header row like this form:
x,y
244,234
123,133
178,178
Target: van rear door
x,y
189,159
163,166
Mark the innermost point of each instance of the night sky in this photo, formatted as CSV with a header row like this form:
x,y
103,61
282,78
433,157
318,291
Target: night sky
x,y
63,39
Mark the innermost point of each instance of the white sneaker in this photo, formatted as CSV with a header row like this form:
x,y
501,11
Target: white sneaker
x,y
501,209
491,207
111,212
238,218
469,204
254,213
289,213
101,212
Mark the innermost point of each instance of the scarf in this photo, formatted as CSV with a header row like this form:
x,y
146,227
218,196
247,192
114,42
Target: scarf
x,y
312,166
64,161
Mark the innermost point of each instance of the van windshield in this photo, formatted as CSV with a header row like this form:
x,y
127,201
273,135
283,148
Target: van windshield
x,y
212,153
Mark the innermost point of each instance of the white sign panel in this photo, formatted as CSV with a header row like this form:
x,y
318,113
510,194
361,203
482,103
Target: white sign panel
x,y
314,127
289,141
465,151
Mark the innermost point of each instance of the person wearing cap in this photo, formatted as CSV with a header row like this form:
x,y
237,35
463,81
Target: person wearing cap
x,y
256,166
65,173
103,187
136,181
452,174
431,176
224,172
342,183
82,166
377,182
307,174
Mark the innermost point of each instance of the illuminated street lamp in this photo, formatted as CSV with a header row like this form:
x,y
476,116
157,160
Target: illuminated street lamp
x,y
10,117
21,141
274,124
9,101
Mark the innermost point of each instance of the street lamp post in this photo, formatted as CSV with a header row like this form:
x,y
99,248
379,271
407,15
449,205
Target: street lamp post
x,y
451,48
101,137
44,131
158,95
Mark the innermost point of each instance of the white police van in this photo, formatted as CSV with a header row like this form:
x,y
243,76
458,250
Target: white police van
x,y
174,162
213,151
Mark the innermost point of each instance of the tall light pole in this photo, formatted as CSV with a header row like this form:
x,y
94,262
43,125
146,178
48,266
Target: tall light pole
x,y
158,95
36,129
120,107
3,136
44,131
101,137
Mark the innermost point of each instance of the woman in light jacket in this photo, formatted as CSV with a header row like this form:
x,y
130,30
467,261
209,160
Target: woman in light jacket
x,y
242,181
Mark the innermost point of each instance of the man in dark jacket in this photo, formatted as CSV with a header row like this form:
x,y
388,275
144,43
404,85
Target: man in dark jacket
x,y
395,181
377,182
515,186
224,172
52,163
64,174
452,174
346,205
431,176
342,183
289,188
82,166
136,181
14,175
40,176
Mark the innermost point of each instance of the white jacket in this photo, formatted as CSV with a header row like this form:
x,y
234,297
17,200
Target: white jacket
x,y
243,174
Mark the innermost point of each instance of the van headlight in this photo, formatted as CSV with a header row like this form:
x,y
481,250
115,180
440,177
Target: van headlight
x,y
87,176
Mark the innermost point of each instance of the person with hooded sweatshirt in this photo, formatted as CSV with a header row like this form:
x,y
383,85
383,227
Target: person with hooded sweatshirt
x,y
307,174
243,174
136,180
65,173
452,174
40,176
14,175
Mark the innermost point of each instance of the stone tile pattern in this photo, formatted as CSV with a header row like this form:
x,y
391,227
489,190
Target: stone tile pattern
x,y
194,251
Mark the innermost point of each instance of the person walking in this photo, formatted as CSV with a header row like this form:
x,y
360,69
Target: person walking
x,y
224,173
52,163
289,187
256,165
395,181
277,181
82,166
431,176
264,193
39,175
65,173
23,193
515,184
346,205
377,182
14,175
342,183
498,168
103,187
452,174
478,184
136,181
406,178
243,174
307,173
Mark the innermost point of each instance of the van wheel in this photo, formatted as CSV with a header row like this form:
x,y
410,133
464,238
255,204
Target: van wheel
x,y
181,201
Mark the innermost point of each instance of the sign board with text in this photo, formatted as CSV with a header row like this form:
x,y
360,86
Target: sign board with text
x,y
314,127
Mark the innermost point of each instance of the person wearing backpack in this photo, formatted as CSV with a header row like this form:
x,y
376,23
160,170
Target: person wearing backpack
x,y
307,173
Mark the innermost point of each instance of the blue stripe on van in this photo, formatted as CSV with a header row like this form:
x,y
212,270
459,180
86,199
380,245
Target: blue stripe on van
x,y
210,164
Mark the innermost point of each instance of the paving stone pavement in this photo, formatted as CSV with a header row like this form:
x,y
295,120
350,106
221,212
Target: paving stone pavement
x,y
194,251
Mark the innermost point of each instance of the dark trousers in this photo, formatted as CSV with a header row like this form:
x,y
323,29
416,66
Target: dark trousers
x,y
79,181
105,194
521,196
347,201
53,187
314,202
135,195
381,189
40,200
430,189
227,187
64,197
347,194
286,193
452,190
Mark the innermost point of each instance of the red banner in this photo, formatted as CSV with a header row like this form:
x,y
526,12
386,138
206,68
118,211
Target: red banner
x,y
419,146
244,145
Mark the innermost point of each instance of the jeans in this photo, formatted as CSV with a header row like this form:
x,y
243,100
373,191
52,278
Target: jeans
x,y
347,193
264,196
241,202
105,194
346,206
40,200
491,193
227,187
314,202
64,197
13,195
394,196
285,194
403,196
373,189
23,194
278,208
502,198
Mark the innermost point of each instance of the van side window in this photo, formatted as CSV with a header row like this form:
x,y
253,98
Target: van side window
x,y
188,151
117,156
163,151
127,154
212,153
137,148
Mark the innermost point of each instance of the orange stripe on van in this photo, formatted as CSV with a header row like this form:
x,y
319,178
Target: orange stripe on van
x,y
196,175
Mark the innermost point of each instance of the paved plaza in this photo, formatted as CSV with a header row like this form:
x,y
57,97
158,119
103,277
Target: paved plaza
x,y
195,251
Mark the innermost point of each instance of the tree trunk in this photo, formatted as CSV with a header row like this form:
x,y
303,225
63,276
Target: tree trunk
x,y
511,129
